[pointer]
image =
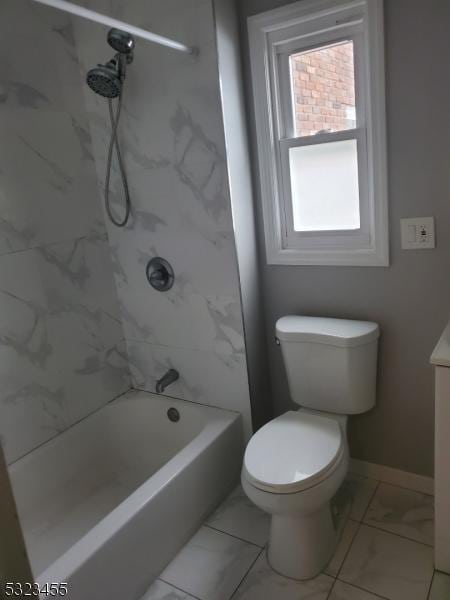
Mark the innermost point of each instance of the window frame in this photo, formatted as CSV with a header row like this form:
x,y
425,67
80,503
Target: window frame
x,y
274,37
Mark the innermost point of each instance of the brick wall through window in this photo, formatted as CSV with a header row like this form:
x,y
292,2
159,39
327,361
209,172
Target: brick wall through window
x,y
324,89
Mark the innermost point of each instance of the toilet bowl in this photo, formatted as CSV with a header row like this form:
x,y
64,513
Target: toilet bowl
x,y
295,464
292,468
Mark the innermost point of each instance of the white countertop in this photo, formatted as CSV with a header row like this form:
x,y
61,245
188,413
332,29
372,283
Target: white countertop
x,y
441,354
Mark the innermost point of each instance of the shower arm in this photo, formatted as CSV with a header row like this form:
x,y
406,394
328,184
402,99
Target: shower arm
x,y
91,15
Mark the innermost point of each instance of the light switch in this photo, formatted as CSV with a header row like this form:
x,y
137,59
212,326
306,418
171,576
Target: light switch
x,y
412,234
417,233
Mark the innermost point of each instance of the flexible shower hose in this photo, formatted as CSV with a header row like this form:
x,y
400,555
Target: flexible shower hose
x,y
114,142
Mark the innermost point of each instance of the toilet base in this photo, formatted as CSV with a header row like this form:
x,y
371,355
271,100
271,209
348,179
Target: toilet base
x,y
301,546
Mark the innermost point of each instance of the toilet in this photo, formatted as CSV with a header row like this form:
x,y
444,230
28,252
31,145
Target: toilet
x,y
294,465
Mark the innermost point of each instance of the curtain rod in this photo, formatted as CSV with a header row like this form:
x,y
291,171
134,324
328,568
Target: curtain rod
x,y
110,22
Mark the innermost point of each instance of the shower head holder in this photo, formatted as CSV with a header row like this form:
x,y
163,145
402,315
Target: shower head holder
x,y
122,42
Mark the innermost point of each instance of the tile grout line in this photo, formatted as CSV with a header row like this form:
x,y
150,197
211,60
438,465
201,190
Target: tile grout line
x,y
370,501
396,485
431,585
179,398
331,588
71,426
357,530
334,577
364,522
178,588
233,536
261,549
246,573
403,537
38,247
208,351
348,551
358,587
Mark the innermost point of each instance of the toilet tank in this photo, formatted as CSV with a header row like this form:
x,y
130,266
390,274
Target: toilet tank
x,y
330,363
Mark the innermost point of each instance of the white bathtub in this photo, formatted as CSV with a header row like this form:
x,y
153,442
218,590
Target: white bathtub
x,y
106,505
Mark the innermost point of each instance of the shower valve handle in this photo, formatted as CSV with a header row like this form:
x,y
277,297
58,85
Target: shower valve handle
x,y
160,274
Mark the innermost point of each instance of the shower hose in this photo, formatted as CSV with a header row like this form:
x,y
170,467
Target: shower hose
x,y
114,143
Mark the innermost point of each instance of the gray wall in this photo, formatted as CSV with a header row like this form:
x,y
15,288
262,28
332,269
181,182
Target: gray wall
x,y
410,299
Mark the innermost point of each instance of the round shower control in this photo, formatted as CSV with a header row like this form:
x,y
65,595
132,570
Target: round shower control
x,y
173,415
160,274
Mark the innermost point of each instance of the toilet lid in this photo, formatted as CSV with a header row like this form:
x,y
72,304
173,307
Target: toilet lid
x,y
293,452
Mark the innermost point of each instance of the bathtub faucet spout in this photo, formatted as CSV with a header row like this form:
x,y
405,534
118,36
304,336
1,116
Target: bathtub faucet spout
x,y
170,377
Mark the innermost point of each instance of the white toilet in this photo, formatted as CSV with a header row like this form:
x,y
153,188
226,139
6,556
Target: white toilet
x,y
294,465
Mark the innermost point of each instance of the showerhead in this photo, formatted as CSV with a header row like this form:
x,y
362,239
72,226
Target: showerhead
x,y
106,79
121,41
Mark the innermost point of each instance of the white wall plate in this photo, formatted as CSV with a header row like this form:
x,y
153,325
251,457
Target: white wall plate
x,y
417,233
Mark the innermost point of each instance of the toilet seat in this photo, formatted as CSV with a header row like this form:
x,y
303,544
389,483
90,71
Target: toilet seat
x,y
293,452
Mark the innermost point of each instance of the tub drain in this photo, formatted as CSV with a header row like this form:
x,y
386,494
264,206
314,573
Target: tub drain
x,y
173,415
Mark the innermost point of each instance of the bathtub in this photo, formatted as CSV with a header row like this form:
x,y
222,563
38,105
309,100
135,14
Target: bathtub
x,y
106,505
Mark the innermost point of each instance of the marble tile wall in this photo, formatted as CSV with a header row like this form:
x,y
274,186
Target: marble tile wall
x,y
62,350
172,134
76,311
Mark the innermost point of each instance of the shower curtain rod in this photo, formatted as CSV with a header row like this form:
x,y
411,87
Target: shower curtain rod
x,y
110,22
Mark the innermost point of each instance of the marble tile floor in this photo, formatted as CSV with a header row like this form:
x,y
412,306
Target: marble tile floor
x,y
385,551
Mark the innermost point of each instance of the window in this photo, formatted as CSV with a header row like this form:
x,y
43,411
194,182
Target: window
x,y
318,83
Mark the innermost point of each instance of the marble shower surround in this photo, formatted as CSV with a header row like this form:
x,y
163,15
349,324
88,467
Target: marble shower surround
x,y
62,350
173,142
62,332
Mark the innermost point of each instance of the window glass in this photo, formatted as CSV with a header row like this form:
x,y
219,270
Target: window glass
x,y
325,187
323,89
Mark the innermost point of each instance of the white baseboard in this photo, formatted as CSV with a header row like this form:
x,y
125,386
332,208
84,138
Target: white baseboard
x,y
418,483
